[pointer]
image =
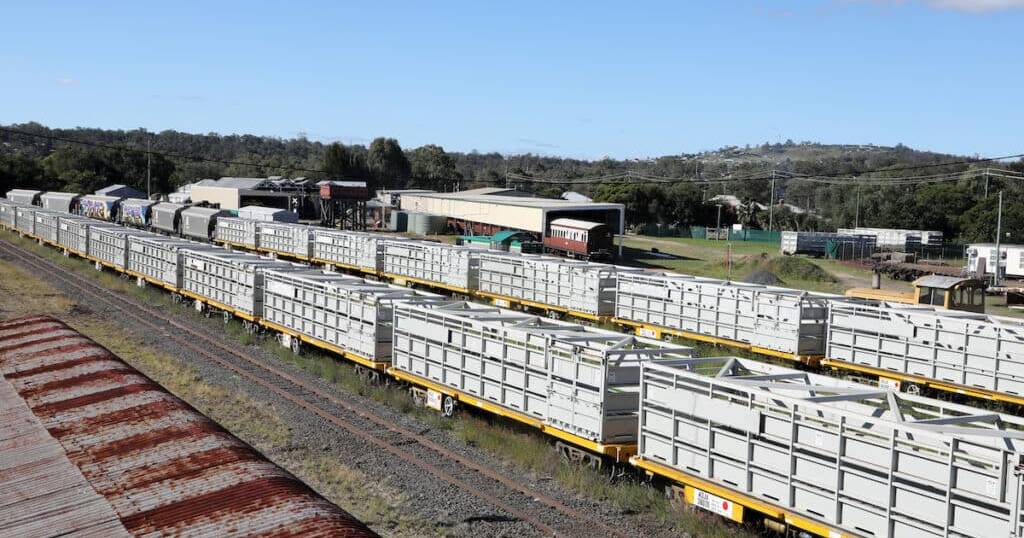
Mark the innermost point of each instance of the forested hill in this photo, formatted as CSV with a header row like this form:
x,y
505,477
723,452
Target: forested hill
x,y
959,208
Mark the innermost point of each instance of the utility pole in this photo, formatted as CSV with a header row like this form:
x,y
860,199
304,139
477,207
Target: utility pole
x,y
999,234
149,162
856,216
771,207
718,224
986,183
506,171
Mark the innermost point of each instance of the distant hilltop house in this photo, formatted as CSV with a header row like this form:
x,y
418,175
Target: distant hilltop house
x,y
730,200
573,196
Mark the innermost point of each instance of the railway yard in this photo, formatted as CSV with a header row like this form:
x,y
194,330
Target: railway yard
x,y
782,409
405,474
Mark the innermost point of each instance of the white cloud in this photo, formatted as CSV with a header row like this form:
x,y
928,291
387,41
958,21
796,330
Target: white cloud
x,y
970,6
67,82
977,6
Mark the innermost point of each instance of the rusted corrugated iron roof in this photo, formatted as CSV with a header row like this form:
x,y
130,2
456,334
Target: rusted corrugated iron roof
x,y
89,445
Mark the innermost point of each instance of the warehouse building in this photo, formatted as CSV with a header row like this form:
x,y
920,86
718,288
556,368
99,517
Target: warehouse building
x,y
490,210
232,193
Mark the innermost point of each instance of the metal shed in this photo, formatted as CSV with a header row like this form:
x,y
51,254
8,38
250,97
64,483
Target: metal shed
x,y
91,447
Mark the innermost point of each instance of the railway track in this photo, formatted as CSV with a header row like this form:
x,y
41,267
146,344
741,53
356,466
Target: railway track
x,y
516,499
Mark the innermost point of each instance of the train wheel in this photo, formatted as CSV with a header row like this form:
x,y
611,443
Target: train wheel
x,y
227,317
912,388
296,346
448,406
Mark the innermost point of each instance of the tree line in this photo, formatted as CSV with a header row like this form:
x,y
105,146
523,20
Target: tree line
x,y
959,209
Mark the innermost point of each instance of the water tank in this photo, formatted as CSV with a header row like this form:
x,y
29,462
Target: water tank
x,y
426,224
399,221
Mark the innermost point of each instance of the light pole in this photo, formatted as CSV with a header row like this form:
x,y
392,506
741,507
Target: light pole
x,y
771,207
856,218
149,162
999,236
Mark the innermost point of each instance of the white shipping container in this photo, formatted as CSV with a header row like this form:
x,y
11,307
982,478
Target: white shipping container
x,y
975,350
578,379
361,250
25,219
160,257
285,238
350,313
777,319
236,231
438,263
46,225
859,459
8,210
577,286
74,233
234,280
109,243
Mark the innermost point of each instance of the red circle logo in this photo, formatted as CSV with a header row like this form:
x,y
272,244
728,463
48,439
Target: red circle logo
x,y
725,505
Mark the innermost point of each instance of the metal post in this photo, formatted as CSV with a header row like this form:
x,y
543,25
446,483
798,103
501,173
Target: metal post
x,y
986,183
999,233
718,224
728,260
771,206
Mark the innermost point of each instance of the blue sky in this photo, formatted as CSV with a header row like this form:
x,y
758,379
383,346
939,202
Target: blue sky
x,y
582,79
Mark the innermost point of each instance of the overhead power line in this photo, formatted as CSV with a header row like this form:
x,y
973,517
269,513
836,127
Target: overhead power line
x,y
837,178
